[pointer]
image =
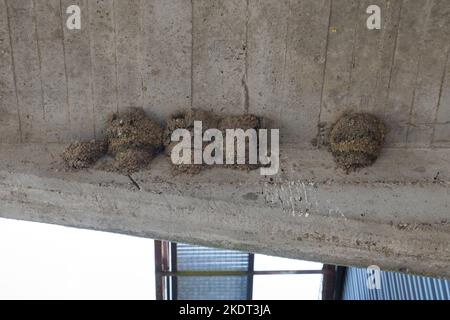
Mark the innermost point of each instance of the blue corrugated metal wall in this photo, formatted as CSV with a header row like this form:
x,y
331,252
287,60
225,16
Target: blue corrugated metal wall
x,y
394,286
194,258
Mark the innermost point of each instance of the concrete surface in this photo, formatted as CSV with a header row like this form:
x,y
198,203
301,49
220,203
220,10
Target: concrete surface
x,y
297,62
395,214
300,63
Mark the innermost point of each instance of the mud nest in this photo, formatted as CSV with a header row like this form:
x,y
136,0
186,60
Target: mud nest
x,y
356,140
80,155
244,122
133,139
185,120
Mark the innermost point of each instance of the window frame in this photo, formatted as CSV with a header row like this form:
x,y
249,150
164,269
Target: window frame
x,y
166,273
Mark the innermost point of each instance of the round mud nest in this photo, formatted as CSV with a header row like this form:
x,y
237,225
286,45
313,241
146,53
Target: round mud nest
x,y
356,140
132,129
134,139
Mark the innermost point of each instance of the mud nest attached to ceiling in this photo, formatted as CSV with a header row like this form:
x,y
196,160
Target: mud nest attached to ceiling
x,y
80,155
356,140
133,140
185,120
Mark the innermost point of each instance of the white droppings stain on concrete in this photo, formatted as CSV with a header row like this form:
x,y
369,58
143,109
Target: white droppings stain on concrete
x,y
299,199
295,197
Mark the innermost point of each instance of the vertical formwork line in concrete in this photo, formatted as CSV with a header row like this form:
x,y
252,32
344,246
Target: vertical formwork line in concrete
x,y
368,63
404,70
413,100
416,81
115,53
325,68
354,45
219,64
49,35
140,40
433,59
36,34
388,39
128,59
441,91
286,48
77,60
13,69
393,56
27,69
92,71
246,95
308,31
192,54
104,66
341,37
167,61
62,11
267,30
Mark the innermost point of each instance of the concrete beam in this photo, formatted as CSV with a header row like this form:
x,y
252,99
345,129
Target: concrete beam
x,y
395,214
298,63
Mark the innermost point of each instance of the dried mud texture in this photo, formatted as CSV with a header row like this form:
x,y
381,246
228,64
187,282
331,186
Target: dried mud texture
x,y
243,122
190,169
356,140
132,160
80,155
185,120
133,129
134,140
